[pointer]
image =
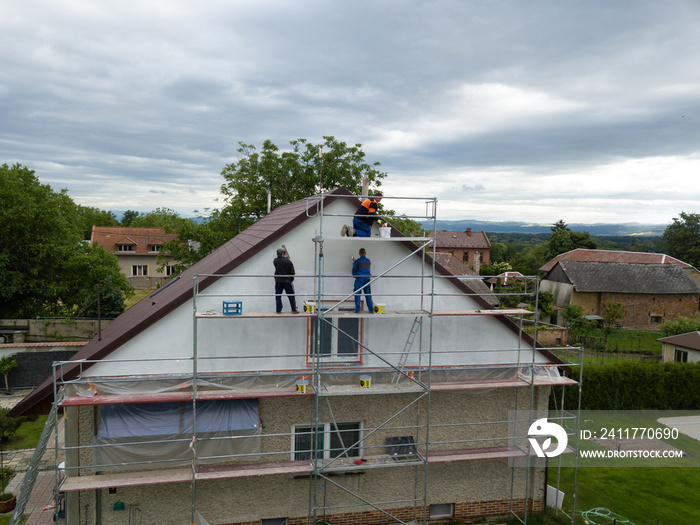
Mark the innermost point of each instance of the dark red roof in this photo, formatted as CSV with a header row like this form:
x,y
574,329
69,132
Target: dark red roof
x,y
586,255
689,340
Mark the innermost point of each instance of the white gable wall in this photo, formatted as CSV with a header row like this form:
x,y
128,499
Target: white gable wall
x,y
280,343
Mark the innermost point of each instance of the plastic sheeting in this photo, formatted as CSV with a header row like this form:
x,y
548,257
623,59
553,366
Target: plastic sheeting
x,y
157,384
132,436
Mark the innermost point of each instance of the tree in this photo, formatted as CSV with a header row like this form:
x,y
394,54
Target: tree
x,y
46,267
288,176
90,217
612,313
564,240
7,365
576,323
682,238
128,217
682,326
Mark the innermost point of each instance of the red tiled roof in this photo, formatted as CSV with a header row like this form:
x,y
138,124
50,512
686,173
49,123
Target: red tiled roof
x,y
141,238
586,255
464,240
688,340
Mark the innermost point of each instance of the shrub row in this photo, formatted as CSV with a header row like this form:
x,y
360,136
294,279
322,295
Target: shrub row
x,y
638,386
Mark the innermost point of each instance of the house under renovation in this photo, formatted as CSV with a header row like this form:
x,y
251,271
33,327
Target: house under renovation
x,y
201,404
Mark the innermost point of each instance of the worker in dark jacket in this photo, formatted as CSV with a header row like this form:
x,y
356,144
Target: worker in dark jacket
x,y
365,217
284,277
361,271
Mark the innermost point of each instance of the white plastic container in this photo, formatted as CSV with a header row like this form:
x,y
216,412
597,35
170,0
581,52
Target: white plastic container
x,y
385,232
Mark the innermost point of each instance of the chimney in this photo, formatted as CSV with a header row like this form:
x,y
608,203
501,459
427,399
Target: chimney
x,y
469,232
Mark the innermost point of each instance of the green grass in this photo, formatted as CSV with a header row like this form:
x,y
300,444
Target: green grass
x,y
638,494
5,520
27,436
139,293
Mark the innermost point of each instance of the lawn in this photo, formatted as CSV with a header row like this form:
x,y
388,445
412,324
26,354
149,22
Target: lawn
x,y
139,293
638,494
27,436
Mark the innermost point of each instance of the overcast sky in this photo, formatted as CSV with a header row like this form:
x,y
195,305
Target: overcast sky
x,y
525,110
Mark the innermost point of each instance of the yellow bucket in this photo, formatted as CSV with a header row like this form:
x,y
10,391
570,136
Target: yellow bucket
x,y
379,308
302,386
365,381
309,308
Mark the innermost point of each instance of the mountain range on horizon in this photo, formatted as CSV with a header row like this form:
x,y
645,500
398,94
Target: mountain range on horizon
x,y
597,229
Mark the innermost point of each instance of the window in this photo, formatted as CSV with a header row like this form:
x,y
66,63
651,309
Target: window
x,y
274,521
465,257
332,440
681,356
125,248
154,248
139,270
169,271
655,319
339,337
442,510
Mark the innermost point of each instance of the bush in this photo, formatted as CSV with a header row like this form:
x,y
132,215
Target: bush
x,y
8,425
638,386
682,326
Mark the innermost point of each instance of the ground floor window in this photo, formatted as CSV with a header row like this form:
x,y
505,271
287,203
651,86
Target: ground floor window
x,y
139,270
169,271
681,356
332,440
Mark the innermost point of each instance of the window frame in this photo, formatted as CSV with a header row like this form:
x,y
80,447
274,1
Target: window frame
x,y
155,248
170,271
134,271
125,248
334,356
680,356
326,438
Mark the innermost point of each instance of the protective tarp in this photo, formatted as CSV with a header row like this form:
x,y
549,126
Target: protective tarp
x,y
198,519
151,384
131,436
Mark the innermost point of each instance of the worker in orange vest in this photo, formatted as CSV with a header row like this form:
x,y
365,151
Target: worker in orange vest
x,y
365,217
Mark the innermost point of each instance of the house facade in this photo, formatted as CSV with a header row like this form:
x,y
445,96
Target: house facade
x,y
137,250
181,410
652,294
471,247
681,348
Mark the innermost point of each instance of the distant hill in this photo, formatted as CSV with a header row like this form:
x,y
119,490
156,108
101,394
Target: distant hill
x,y
596,230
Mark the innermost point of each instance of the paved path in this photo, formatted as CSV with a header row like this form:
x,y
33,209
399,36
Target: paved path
x,y
43,492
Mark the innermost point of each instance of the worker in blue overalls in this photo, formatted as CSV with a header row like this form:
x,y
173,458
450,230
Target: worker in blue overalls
x,y
362,274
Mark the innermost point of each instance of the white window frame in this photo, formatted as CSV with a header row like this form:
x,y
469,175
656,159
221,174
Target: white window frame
x,y
332,335
135,268
169,271
125,248
154,248
326,434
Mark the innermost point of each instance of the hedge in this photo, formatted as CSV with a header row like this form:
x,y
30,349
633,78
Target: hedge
x,y
638,386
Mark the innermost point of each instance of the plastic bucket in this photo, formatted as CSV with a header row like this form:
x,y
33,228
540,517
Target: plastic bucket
x,y
365,381
379,308
302,386
309,307
385,232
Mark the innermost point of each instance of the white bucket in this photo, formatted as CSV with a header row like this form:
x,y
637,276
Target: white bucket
x,y
365,381
385,232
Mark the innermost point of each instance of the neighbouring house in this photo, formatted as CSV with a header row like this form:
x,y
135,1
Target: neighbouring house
x,y
651,293
681,348
201,400
471,247
137,250
466,274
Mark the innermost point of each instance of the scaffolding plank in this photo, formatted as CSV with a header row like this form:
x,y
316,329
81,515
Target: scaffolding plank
x,y
208,473
350,313
161,397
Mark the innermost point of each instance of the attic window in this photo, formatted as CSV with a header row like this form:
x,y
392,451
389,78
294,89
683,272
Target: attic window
x,y
125,248
155,248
